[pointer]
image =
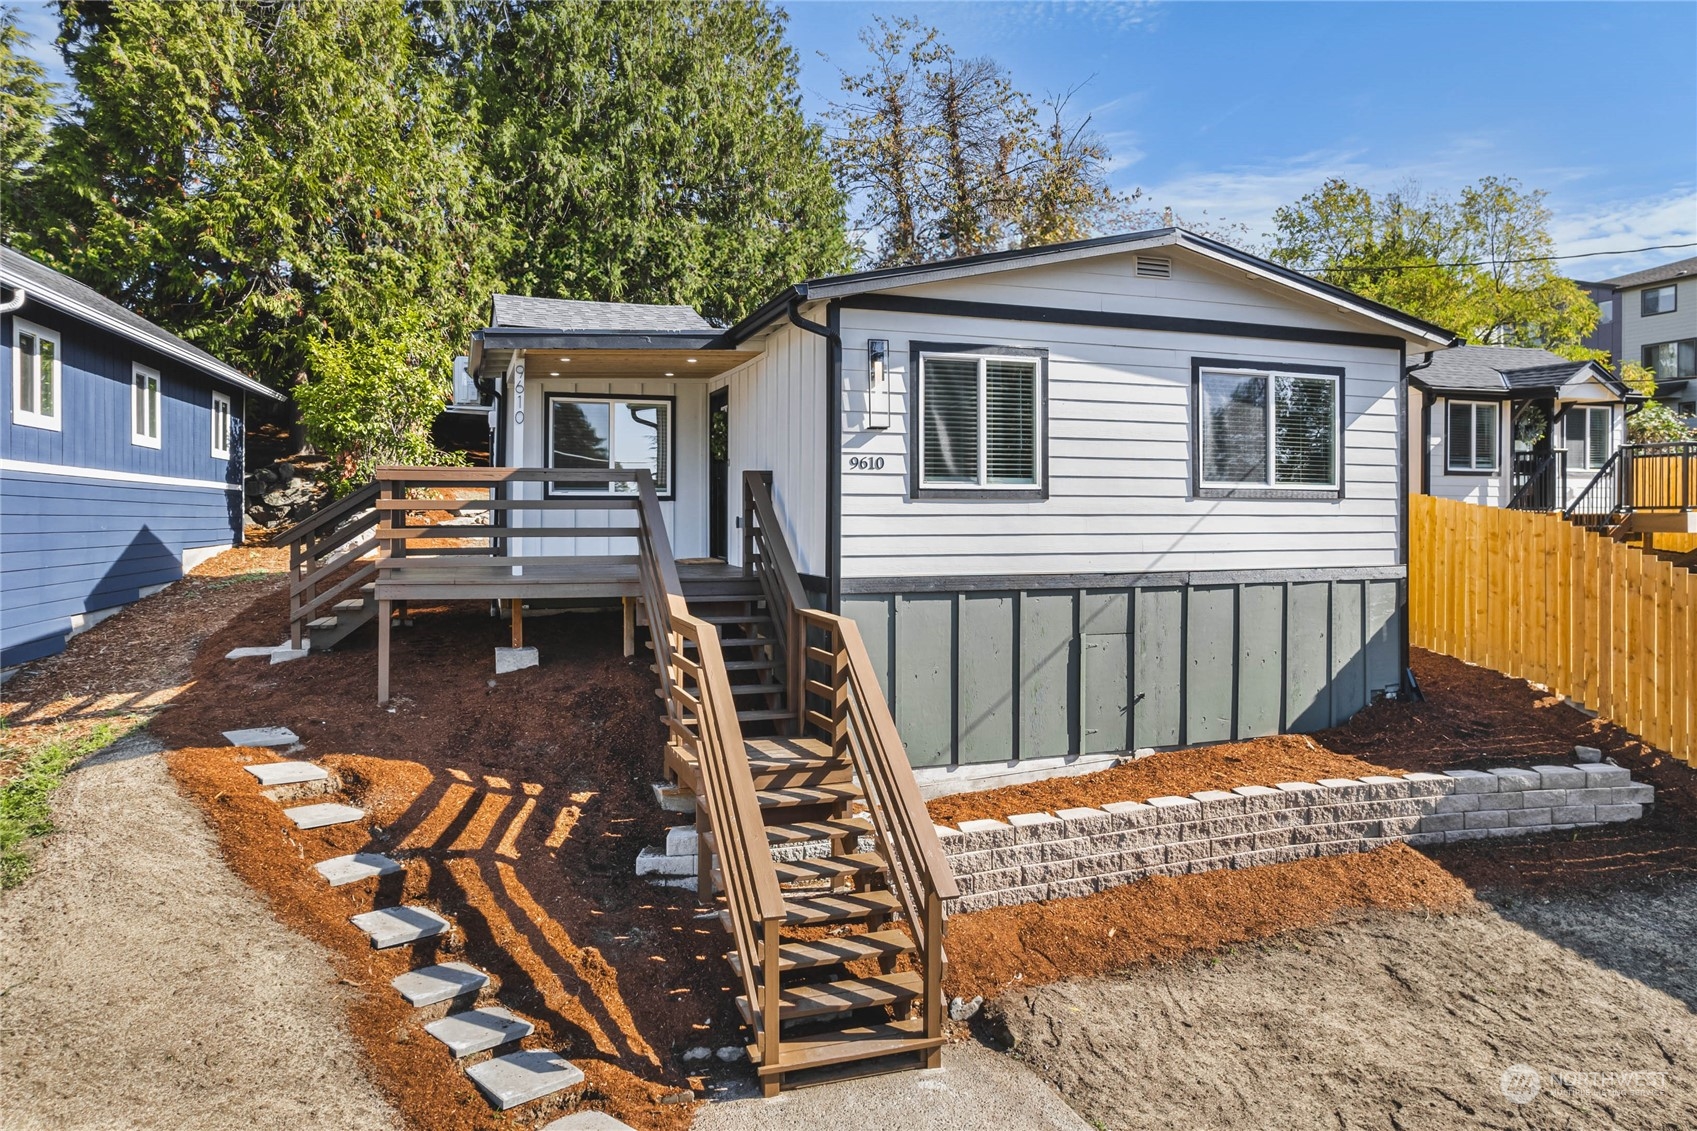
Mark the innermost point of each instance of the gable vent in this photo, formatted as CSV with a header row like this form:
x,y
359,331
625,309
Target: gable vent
x,y
1154,267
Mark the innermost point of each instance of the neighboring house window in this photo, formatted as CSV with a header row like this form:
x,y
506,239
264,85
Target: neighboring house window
x,y
1268,430
1659,300
1605,312
610,433
981,421
221,426
144,407
1670,361
36,392
1590,434
1473,436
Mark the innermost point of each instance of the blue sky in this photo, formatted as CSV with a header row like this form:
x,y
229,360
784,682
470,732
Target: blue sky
x,y
1233,109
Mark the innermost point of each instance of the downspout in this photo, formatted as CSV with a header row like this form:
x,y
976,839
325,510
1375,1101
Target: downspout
x,y
831,331
16,302
1425,424
1409,685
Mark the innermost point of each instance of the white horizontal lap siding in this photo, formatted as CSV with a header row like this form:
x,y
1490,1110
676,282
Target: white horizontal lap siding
x,y
685,513
1119,458
777,424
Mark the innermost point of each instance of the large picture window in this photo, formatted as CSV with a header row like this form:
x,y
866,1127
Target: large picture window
x,y
1265,430
980,421
610,433
1671,361
35,376
1472,439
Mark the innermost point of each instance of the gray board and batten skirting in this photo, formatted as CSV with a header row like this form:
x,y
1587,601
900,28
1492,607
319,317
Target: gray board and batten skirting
x,y
981,670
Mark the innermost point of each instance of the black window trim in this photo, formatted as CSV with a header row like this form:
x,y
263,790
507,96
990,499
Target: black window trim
x,y
1644,298
1644,358
916,425
1269,369
1497,460
668,399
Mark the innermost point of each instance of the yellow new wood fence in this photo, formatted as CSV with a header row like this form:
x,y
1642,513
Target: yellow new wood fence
x,y
1534,596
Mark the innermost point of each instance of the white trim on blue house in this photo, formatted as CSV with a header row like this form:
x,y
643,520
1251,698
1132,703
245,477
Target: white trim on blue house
x,y
59,470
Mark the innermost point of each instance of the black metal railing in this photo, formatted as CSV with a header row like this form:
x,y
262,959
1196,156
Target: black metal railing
x,y
1539,483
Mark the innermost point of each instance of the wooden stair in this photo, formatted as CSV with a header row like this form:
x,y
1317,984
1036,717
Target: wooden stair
x,y
344,619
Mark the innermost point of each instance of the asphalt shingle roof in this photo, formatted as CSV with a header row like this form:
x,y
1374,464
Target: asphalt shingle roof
x,y
56,289
1678,269
1499,369
573,314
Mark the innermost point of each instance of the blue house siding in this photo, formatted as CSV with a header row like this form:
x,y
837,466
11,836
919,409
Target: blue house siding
x,y
72,545
89,520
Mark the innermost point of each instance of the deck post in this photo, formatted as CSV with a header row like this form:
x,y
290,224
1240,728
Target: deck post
x,y
630,625
382,652
518,622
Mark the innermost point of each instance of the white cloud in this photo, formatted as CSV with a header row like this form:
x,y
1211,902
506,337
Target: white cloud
x,y
1618,225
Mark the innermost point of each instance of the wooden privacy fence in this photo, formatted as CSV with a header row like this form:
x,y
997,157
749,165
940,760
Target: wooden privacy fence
x,y
1540,598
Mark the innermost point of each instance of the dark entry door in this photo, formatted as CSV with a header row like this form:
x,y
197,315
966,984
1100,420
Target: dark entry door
x,y
719,472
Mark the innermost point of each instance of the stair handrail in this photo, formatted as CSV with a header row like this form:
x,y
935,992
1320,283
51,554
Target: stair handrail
x,y
662,592
860,725
730,811
1611,473
359,499
1543,474
766,556
323,544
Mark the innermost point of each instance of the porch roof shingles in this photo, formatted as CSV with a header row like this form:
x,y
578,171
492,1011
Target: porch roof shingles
x,y
1504,369
574,315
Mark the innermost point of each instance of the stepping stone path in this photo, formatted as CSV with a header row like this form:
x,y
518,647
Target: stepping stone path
x,y
478,1030
248,653
262,737
359,866
588,1121
327,813
396,926
433,984
287,773
520,1077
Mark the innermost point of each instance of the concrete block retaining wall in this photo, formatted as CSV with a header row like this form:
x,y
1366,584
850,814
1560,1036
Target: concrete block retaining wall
x,y
1037,856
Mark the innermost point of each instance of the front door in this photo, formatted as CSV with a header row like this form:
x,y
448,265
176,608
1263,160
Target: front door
x,y
719,473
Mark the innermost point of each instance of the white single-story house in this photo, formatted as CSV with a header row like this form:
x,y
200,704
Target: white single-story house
x,y
1506,426
1140,491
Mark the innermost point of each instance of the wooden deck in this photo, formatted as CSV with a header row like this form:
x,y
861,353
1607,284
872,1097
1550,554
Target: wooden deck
x,y
457,578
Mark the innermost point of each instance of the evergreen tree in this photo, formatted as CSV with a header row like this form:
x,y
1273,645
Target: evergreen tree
x,y
26,107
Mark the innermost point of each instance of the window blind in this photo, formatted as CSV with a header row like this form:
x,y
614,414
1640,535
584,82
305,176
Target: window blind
x,y
1010,422
1305,430
1484,437
1234,428
951,420
1597,437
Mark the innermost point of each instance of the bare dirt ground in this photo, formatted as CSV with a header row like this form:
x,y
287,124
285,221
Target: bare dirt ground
x,y
1387,1021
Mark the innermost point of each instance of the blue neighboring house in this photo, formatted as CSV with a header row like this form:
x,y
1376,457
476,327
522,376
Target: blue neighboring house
x,y
120,457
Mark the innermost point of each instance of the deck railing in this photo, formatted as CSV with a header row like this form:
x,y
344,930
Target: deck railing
x,y
321,547
1539,482
1646,478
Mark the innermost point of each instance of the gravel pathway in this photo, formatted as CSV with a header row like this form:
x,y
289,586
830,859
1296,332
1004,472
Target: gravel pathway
x,y
143,986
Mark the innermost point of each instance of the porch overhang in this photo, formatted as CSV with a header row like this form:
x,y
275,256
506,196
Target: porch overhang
x,y
647,355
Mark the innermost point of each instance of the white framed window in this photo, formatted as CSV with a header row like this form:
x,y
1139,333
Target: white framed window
x,y
1658,300
981,421
144,406
222,422
1472,437
1268,430
610,433
1590,435
37,394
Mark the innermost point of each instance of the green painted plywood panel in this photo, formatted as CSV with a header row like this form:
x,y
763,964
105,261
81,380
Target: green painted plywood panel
x,y
875,618
1209,656
1103,683
1158,668
1384,639
1349,659
1260,660
1047,675
987,659
1104,610
1308,621
924,676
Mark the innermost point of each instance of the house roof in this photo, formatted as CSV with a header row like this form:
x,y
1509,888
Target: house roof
x,y
572,315
861,282
1506,369
1679,269
49,287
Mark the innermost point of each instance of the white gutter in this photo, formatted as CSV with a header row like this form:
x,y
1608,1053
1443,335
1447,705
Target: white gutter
x,y
16,303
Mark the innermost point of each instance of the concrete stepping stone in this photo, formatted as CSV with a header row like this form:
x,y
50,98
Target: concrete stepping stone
x,y
262,737
396,926
249,653
478,1030
588,1121
431,984
325,813
520,1077
287,773
359,866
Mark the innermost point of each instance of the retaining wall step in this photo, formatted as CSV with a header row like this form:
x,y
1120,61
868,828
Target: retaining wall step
x,y
262,736
325,813
359,866
518,1078
430,985
588,1121
397,926
479,1030
286,773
